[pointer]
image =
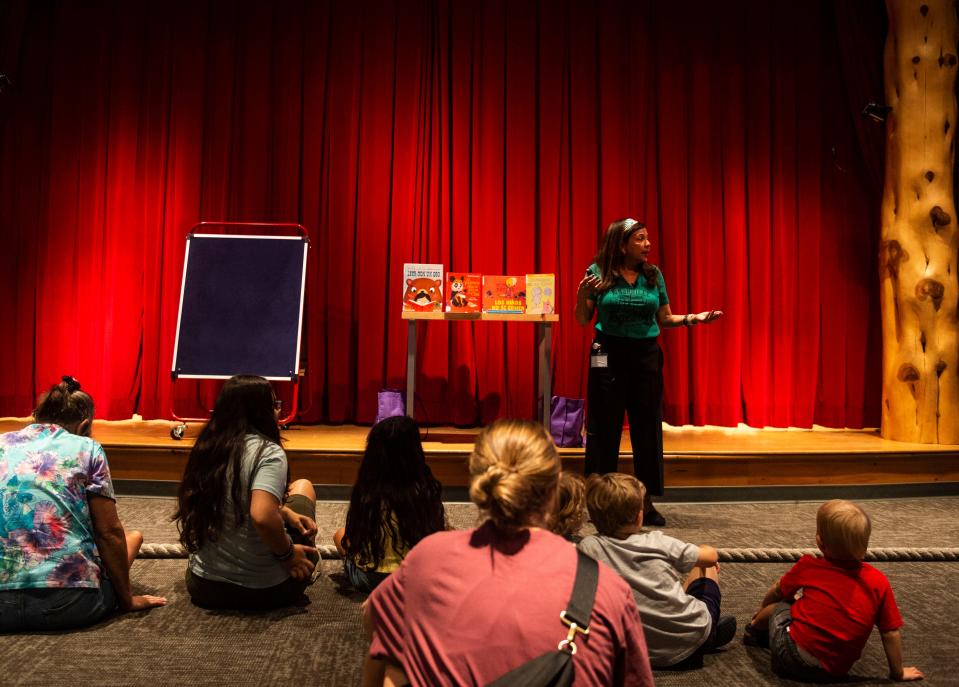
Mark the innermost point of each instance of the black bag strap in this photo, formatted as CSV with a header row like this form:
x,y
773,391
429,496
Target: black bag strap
x,y
580,605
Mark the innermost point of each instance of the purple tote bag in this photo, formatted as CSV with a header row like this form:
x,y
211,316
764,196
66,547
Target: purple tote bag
x,y
389,403
566,421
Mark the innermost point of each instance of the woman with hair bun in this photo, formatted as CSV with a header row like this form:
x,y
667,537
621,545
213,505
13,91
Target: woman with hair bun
x,y
467,607
64,555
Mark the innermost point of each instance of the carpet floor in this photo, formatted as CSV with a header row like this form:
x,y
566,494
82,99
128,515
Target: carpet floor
x,y
322,644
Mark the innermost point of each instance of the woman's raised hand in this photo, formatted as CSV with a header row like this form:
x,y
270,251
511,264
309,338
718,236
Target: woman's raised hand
x,y
588,286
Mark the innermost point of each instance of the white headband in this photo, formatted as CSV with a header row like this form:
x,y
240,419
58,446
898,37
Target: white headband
x,y
628,224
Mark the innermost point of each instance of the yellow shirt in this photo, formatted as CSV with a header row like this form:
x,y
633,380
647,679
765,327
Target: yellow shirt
x,y
393,552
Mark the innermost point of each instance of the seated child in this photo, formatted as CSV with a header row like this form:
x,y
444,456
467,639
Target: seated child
x,y
570,511
675,584
819,636
396,502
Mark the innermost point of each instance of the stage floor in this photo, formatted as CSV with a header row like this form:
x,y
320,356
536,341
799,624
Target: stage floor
x,y
694,456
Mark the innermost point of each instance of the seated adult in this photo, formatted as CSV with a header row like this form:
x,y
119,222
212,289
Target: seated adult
x,y
64,556
467,607
248,531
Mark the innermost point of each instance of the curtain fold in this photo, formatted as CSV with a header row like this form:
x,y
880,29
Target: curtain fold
x,y
490,136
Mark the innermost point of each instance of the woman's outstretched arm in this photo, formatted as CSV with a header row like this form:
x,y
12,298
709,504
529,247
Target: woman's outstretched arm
x,y
666,318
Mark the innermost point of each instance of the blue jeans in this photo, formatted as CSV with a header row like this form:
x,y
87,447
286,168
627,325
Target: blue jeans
x,y
363,580
60,608
789,660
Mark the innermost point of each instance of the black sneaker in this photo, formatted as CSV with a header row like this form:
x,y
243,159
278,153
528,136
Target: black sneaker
x,y
654,518
754,637
725,631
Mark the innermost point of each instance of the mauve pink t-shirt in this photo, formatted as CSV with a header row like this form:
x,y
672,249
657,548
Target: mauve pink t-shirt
x,y
467,607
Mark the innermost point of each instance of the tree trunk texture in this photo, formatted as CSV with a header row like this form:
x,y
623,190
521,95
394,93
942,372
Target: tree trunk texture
x,y
918,251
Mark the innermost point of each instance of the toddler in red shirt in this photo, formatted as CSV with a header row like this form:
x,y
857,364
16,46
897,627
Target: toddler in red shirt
x,y
817,618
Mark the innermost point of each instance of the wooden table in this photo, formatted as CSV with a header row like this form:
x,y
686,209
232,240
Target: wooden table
x,y
544,331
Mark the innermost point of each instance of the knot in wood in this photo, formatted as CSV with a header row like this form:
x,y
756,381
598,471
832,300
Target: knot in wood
x,y
948,60
908,373
890,255
930,175
930,288
924,10
940,368
940,217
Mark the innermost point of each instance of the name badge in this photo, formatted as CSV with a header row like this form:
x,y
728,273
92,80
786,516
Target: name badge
x,y
598,361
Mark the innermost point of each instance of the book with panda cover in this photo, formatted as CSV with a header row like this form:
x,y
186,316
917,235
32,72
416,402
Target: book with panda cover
x,y
504,294
464,292
540,294
422,287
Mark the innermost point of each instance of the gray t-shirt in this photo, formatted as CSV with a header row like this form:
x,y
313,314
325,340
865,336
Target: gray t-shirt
x,y
239,556
655,566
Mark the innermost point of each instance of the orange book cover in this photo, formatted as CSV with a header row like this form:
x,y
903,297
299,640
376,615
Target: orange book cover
x,y
465,292
504,294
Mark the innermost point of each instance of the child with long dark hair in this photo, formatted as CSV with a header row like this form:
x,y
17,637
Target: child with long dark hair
x,y
395,503
249,534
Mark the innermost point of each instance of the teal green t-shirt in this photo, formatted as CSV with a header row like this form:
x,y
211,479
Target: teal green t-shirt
x,y
630,311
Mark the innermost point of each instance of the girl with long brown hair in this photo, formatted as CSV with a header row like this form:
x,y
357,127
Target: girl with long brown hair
x,y
249,531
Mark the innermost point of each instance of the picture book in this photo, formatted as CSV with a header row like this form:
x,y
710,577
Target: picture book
x,y
540,294
464,292
504,294
422,287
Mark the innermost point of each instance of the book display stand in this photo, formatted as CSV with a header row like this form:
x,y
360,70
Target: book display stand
x,y
544,326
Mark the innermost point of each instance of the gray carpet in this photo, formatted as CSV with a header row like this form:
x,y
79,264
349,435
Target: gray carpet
x,y
915,522
321,644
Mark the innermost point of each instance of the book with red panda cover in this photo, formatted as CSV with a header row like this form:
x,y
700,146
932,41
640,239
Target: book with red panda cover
x,y
504,294
464,292
422,287
540,294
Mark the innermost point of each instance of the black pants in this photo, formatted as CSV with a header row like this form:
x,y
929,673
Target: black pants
x,y
631,384
213,594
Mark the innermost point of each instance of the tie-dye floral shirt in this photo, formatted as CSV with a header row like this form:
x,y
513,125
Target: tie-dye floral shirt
x,y
46,534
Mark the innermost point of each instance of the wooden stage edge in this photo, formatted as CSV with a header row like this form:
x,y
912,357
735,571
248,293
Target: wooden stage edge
x,y
695,456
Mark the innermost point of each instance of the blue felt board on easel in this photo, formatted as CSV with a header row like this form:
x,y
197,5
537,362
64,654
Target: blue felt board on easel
x,y
241,307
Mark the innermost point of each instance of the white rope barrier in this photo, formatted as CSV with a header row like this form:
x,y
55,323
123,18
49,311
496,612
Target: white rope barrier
x,y
770,555
897,555
177,551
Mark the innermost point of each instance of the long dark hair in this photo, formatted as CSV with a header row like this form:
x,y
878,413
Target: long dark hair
x,y
609,258
244,406
393,480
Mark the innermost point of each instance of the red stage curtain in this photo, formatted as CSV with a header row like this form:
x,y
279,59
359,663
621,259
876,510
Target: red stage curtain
x,y
491,136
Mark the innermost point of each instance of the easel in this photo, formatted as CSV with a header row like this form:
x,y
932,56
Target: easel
x,y
241,307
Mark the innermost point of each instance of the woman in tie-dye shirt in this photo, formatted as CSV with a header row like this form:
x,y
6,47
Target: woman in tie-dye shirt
x,y
64,556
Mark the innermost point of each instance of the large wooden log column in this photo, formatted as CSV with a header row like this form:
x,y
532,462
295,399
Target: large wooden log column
x,y
918,251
